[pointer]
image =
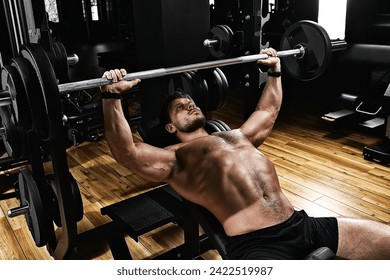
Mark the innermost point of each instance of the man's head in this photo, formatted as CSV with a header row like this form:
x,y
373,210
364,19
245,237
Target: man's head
x,y
180,114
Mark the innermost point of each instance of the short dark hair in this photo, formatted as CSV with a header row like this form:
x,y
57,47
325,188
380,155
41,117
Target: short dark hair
x,y
166,106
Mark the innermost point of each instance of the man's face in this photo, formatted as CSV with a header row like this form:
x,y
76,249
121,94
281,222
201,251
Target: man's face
x,y
185,116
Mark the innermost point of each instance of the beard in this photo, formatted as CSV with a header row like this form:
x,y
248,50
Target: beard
x,y
193,126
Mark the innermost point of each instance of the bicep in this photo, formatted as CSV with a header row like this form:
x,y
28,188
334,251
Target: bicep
x,y
258,126
152,163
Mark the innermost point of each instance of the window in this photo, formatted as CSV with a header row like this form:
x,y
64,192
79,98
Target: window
x,y
332,16
94,10
51,9
271,6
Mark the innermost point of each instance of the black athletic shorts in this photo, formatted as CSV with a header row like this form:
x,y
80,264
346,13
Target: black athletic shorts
x,y
291,240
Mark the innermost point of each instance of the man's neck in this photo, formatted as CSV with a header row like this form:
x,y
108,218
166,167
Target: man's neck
x,y
186,137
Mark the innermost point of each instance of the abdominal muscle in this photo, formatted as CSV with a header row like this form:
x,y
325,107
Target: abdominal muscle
x,y
236,183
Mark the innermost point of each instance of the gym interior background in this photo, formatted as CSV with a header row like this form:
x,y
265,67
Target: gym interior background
x,y
331,143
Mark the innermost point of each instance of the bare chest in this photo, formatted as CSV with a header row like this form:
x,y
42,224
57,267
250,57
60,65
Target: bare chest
x,y
214,149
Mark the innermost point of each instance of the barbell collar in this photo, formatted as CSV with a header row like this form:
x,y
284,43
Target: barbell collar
x,y
17,211
148,74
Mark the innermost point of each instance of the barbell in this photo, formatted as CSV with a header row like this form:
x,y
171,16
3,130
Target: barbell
x,y
306,49
160,72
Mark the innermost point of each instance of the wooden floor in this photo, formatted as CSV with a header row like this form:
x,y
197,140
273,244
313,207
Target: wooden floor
x,y
321,170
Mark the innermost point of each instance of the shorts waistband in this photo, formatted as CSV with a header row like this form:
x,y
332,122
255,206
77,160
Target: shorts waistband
x,y
275,228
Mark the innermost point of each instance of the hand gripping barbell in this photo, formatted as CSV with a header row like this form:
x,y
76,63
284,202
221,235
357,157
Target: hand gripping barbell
x,y
306,46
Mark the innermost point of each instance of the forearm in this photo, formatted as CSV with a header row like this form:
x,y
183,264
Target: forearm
x,y
117,130
271,97
259,125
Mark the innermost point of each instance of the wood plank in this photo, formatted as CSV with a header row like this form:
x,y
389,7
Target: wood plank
x,y
93,189
16,222
321,166
311,208
163,239
108,176
28,246
9,244
344,210
332,192
299,189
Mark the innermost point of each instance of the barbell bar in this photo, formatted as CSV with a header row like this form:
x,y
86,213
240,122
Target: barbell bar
x,y
160,72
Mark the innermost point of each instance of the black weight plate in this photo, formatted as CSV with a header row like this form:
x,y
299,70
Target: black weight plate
x,y
175,82
52,194
201,96
223,88
52,55
2,149
11,82
189,85
232,39
25,116
11,137
212,127
180,82
229,30
217,124
225,45
318,50
218,87
204,89
62,71
34,95
216,92
224,125
192,89
212,93
51,117
77,201
36,218
197,94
